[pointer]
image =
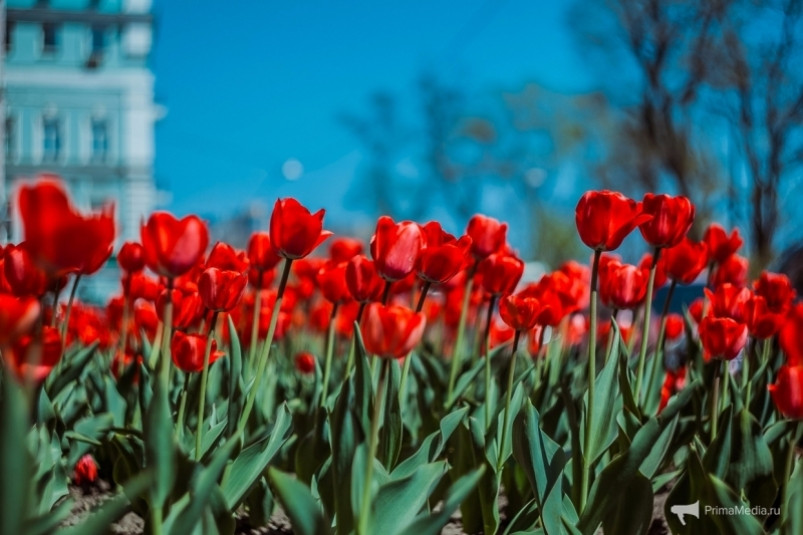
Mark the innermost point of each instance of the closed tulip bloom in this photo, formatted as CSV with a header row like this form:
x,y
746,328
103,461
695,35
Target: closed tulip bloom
x,y
675,326
624,286
294,231
173,246
332,282
22,274
791,336
86,470
221,289
732,270
722,338
685,261
763,322
131,257
776,289
31,358
500,273
17,317
391,331
519,311
787,392
671,219
395,248
344,249
363,281
605,218
305,363
187,307
720,244
224,256
261,255
443,257
61,239
487,235
187,351
728,301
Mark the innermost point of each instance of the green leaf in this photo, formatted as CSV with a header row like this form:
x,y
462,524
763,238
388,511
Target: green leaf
x,y
432,523
390,435
398,501
15,465
98,522
631,514
76,363
792,513
306,514
235,378
159,445
249,465
467,379
607,403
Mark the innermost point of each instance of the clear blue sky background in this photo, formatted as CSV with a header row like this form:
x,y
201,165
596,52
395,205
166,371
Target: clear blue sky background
x,y
250,84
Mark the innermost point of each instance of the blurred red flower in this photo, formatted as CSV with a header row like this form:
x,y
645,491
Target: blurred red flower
x,y
443,256
675,326
791,336
344,249
731,270
722,338
188,351
363,281
31,358
787,392
17,317
487,235
305,363
623,286
221,289
261,255
22,274
332,282
86,470
500,273
728,301
391,331
225,257
685,261
720,244
131,257
519,311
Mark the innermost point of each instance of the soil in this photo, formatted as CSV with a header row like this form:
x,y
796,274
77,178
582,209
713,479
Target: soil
x,y
90,497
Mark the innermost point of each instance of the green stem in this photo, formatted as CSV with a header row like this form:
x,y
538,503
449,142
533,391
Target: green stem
x,y
353,345
506,420
330,343
66,323
659,352
408,359
167,334
715,401
592,375
372,446
252,349
461,331
182,406
609,344
265,353
386,293
794,436
124,334
645,331
486,349
156,520
210,337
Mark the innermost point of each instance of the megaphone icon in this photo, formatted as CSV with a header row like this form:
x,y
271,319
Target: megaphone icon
x,y
692,509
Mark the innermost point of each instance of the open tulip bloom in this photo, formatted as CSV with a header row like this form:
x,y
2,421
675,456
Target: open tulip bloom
x,y
378,386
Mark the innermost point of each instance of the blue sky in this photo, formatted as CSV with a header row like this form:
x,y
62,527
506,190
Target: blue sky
x,y
257,83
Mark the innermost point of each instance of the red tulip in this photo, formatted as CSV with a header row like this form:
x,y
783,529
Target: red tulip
x,y
260,252
675,326
22,275
332,282
395,248
763,322
487,235
305,363
221,289
443,257
720,245
363,281
344,249
188,351
787,392
685,261
579,281
731,270
17,317
623,286
553,297
673,383
60,239
86,470
225,257
391,331
142,286
187,308
131,257
776,289
31,358
728,301
605,218
172,246
500,273
791,336
722,337
671,219
294,231
519,311
696,310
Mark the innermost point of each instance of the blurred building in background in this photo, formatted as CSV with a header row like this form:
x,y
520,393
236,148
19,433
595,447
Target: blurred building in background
x,y
79,102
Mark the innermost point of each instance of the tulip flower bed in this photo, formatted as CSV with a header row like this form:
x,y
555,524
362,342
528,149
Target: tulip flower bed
x,y
381,394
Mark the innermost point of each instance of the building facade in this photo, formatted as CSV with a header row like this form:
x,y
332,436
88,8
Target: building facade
x,y
79,102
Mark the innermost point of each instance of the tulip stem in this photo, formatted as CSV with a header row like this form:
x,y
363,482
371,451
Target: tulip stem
x,y
330,342
592,375
508,395
794,436
167,333
210,337
66,323
645,331
408,359
353,345
487,351
372,446
124,333
461,330
423,296
661,340
252,349
609,344
715,401
182,407
265,353
386,292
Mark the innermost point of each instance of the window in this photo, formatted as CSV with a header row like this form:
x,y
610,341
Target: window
x,y
51,139
10,138
49,35
8,34
100,140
